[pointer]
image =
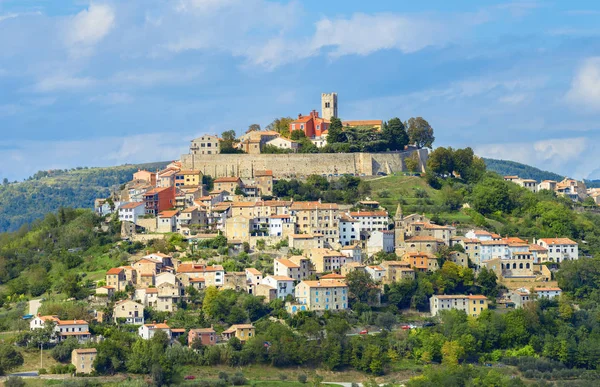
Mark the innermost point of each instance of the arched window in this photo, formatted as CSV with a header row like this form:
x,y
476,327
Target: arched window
x,y
514,265
527,265
521,265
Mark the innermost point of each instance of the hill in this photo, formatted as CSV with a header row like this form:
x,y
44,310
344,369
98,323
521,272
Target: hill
x,y
507,167
47,191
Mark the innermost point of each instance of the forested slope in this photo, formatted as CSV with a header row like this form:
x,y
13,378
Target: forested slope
x,y
47,191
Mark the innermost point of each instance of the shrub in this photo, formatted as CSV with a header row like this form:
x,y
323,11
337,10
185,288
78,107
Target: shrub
x,y
282,376
14,381
302,378
223,375
238,379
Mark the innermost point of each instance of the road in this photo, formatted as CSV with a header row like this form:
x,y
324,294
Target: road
x,y
34,305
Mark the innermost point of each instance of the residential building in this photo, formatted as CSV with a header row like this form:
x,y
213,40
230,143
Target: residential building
x,y
305,241
130,311
167,221
376,272
145,266
283,143
349,230
166,178
318,219
421,261
312,125
253,276
264,182
212,275
131,212
573,189
549,293
157,200
83,360
549,185
188,178
423,244
322,295
396,271
207,336
147,331
115,278
205,145
472,305
371,220
353,252
147,176
243,332
380,241
238,228
281,226
560,249
374,124
228,184
283,285
63,329
298,270
325,260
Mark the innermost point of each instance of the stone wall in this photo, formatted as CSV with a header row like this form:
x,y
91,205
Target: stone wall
x,y
301,164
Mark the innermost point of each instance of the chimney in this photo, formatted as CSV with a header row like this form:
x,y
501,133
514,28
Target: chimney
x,y
299,115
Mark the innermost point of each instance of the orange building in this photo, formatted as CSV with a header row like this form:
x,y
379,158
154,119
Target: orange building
x,y
159,199
312,125
145,175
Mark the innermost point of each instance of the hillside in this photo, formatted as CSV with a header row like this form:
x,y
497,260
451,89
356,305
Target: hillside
x,y
47,191
507,167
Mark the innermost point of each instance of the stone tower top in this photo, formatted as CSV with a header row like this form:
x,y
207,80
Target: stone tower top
x,y
329,105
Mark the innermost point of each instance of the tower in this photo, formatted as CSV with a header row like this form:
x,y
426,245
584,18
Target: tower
x,y
398,226
329,106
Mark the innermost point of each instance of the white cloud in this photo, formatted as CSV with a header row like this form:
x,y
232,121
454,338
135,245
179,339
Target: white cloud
x,y
364,34
585,86
89,27
561,155
514,99
61,82
8,16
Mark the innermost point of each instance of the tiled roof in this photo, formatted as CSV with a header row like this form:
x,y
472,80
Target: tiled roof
x,y
168,214
325,284
313,206
114,271
558,241
131,205
287,263
85,350
227,180
359,214
197,268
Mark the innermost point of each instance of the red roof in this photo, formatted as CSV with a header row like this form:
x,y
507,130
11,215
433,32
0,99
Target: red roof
x,y
114,271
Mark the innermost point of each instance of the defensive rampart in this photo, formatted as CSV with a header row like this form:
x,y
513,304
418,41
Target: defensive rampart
x,y
301,164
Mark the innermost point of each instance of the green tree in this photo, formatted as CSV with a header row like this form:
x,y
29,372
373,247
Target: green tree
x,y
487,280
394,134
420,133
441,161
361,287
334,133
9,358
281,126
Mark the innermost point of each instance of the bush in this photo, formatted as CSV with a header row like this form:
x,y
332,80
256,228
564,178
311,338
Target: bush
x,y
282,376
238,379
42,371
223,376
302,378
14,381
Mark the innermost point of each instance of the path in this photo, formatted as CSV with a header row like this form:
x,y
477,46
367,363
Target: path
x,y
34,305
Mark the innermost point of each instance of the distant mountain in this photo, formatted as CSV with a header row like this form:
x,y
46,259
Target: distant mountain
x,y
47,191
508,168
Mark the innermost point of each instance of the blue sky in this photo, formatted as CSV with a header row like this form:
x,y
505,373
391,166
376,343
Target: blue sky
x,y
110,82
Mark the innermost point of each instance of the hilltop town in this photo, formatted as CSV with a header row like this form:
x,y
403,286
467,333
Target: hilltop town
x,y
246,241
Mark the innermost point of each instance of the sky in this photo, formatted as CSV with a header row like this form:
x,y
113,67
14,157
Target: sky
x,y
111,82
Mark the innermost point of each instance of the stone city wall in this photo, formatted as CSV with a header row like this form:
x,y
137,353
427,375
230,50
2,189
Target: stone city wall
x,y
301,164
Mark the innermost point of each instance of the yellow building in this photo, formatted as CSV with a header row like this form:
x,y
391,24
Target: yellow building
x,y
472,305
243,332
324,294
318,219
237,228
83,360
396,271
188,178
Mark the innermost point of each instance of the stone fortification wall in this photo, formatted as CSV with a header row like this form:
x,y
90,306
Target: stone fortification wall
x,y
300,164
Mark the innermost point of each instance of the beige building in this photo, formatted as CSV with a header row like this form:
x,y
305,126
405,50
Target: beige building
x,y
421,261
83,360
318,219
212,275
305,242
131,311
237,228
115,278
205,145
472,305
243,332
298,267
264,182
322,295
324,260
396,271
423,244
228,184
443,233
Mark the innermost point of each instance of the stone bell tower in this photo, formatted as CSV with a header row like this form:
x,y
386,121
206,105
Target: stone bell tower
x,y
329,106
398,226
